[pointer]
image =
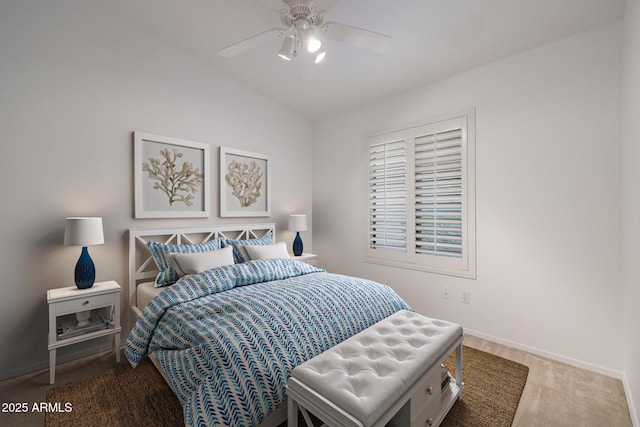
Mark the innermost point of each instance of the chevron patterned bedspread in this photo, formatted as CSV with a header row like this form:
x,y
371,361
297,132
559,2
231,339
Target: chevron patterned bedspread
x,y
227,339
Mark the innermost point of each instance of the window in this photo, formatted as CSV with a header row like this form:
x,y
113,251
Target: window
x,y
421,204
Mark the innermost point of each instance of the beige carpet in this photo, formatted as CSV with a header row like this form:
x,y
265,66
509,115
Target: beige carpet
x,y
140,397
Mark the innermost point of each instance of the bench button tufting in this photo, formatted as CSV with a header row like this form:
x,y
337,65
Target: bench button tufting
x,y
361,375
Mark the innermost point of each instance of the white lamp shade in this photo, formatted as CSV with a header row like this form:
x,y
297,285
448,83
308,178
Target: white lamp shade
x,y
313,44
319,56
83,231
288,47
298,222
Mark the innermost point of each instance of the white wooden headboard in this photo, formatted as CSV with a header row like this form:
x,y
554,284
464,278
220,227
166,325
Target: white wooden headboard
x,y
142,267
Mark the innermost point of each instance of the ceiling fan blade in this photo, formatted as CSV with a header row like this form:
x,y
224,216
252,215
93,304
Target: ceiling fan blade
x,y
251,43
358,37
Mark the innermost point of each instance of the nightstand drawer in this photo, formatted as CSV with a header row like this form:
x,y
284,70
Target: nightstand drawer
x,y
87,303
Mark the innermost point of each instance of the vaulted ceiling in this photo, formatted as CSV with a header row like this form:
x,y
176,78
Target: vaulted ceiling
x,y
432,39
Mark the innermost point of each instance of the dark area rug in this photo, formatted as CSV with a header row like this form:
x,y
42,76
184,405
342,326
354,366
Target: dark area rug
x,y
120,396
492,389
126,397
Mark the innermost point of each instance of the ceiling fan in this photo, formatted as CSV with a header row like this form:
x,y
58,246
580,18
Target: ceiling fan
x,y
304,29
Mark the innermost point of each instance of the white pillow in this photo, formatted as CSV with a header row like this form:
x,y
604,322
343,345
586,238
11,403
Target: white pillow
x,y
279,250
197,262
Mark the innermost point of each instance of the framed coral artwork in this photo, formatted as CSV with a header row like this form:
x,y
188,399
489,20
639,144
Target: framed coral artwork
x,y
244,183
171,177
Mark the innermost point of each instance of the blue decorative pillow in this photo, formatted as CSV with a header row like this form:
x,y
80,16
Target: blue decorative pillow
x,y
161,252
239,253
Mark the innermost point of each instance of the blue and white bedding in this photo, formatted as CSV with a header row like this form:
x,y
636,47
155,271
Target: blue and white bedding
x,y
228,338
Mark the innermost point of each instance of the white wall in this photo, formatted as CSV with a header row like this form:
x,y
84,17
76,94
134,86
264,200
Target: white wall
x,y
631,206
548,198
75,81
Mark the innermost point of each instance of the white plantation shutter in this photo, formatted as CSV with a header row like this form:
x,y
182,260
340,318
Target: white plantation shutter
x,y
421,205
387,186
438,193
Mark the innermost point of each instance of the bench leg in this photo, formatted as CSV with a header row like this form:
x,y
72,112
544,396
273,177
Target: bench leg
x,y
459,368
292,413
306,417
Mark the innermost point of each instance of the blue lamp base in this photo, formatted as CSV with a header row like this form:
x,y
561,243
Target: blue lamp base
x,y
297,245
85,273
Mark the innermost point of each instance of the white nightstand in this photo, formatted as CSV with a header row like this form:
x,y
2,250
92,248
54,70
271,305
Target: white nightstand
x,y
308,258
100,303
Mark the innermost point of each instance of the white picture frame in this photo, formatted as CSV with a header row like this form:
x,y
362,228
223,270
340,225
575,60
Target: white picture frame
x,y
158,158
245,183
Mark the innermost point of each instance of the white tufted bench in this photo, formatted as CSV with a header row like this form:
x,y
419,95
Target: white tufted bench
x,y
389,373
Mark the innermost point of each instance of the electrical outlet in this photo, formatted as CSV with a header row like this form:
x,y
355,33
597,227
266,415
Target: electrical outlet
x,y
466,297
446,293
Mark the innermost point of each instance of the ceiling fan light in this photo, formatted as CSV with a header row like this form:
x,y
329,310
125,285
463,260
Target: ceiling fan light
x,y
319,56
288,48
313,44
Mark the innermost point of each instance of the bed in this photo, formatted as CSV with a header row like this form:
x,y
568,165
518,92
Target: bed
x,y
227,338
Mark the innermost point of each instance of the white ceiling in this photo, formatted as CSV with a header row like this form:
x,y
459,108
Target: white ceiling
x,y
431,39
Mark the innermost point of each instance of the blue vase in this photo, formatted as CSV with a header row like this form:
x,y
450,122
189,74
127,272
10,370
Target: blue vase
x,y
297,245
85,273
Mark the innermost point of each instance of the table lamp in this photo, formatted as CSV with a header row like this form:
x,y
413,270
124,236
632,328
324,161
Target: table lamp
x,y
83,232
297,223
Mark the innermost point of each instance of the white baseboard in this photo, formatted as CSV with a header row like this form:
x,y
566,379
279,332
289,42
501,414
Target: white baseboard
x,y
569,361
557,357
632,409
635,421
67,357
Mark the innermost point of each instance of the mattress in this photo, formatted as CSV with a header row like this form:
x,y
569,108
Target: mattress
x,y
145,293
